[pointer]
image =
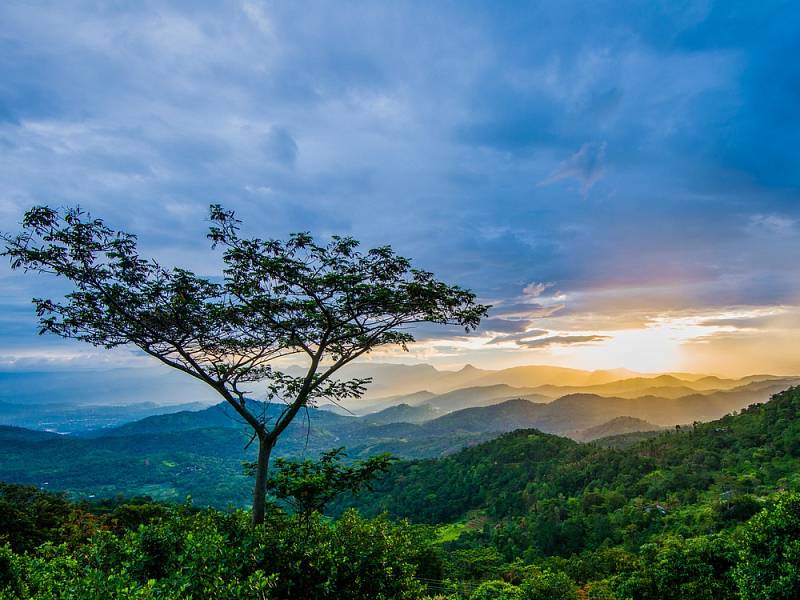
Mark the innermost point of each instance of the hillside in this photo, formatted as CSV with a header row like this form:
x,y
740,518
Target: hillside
x,y
519,473
197,453
471,397
200,452
572,519
575,413
403,413
10,434
393,381
615,427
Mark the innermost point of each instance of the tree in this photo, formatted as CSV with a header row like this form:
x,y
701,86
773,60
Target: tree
x,y
769,560
329,303
548,585
308,486
496,590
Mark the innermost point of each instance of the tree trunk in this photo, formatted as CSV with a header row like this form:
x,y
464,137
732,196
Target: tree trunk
x,y
260,492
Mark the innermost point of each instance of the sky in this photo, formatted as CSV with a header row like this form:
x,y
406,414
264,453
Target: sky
x,y
620,180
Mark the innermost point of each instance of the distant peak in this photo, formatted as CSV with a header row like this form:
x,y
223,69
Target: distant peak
x,y
467,368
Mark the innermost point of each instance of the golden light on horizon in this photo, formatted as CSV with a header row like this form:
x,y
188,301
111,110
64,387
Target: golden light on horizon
x,y
658,347
667,343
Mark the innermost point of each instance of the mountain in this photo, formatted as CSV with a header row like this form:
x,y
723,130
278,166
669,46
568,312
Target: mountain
x,y
504,416
56,393
389,401
218,416
403,413
479,396
458,399
200,452
665,386
534,375
614,427
20,434
567,415
575,413
641,388
335,409
398,379
542,493
390,381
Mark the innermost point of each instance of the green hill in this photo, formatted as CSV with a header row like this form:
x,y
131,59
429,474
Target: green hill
x,y
701,511
550,495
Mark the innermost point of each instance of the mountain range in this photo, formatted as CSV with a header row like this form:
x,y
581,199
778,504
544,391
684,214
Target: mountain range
x,y
199,452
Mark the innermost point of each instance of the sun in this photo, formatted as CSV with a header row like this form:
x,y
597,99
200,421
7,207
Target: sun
x,y
658,347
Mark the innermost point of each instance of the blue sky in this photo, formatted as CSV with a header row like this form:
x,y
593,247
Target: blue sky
x,y
620,179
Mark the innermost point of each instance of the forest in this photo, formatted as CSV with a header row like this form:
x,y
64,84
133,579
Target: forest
x,y
703,511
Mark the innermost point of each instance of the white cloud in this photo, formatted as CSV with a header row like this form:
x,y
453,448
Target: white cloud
x,y
535,289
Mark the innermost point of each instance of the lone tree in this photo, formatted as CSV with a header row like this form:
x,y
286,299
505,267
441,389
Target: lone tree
x,y
329,303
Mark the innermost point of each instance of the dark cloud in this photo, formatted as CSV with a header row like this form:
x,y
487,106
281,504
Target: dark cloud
x,y
505,325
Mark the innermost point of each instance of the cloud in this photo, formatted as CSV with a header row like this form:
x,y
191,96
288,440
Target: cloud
x,y
527,310
499,325
331,121
586,166
518,336
773,223
535,289
563,340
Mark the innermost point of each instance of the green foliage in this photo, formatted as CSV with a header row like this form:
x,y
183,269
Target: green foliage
x,y
547,585
310,485
497,590
684,569
475,564
207,554
30,517
547,496
599,590
769,566
697,514
11,574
